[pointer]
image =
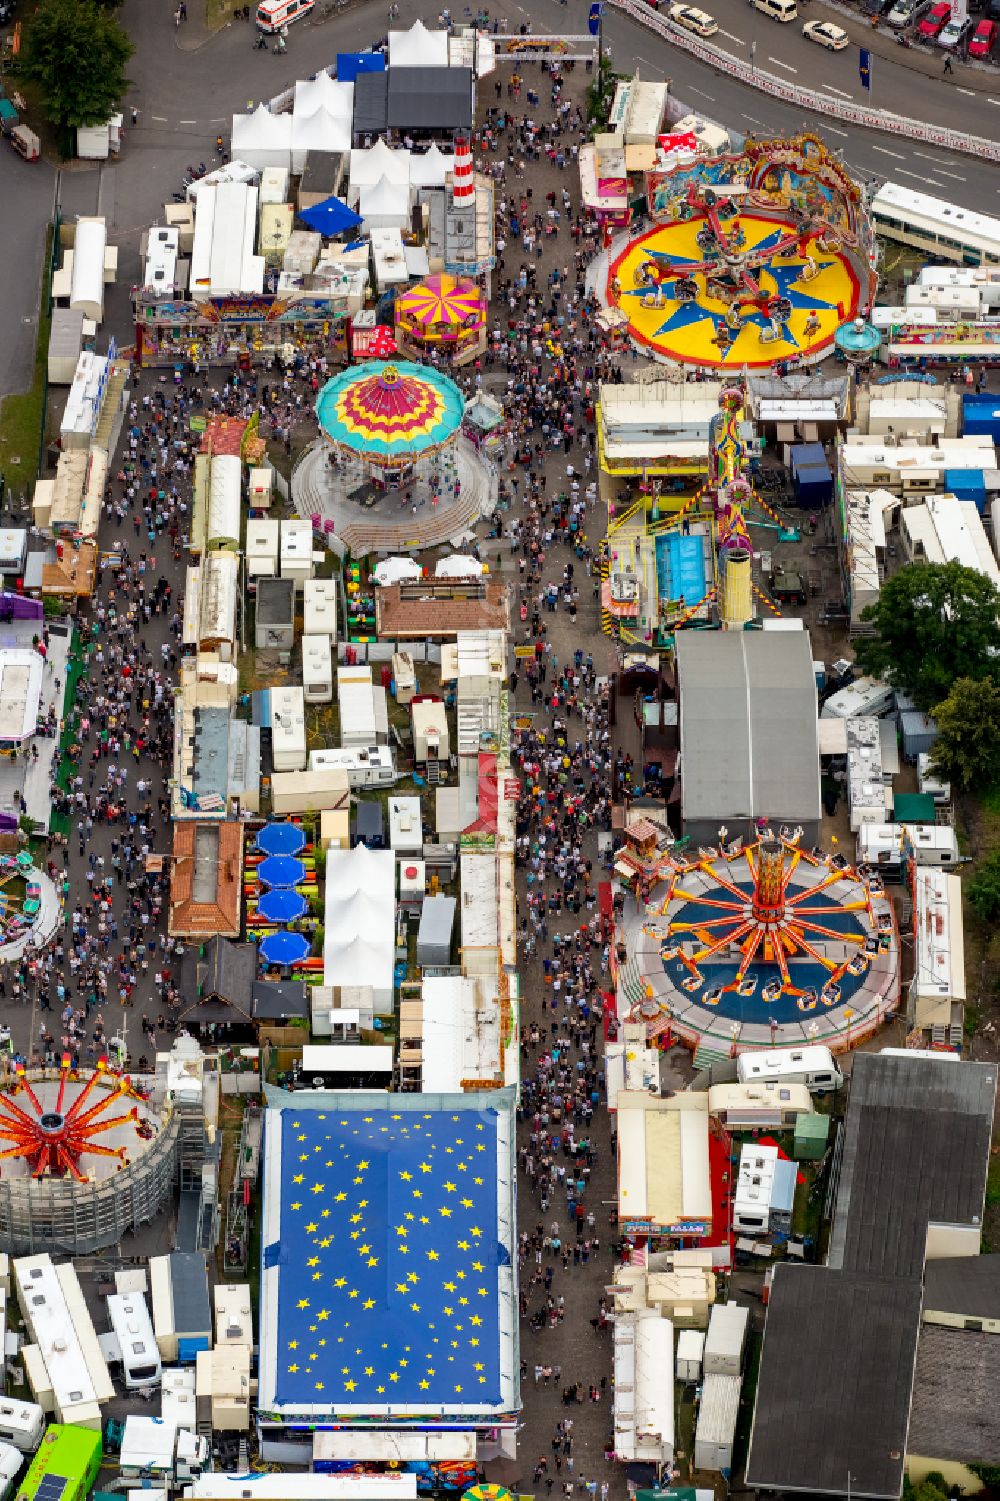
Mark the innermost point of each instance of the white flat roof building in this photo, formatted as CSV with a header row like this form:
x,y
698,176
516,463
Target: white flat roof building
x,y
68,1355
21,673
225,229
944,529
939,948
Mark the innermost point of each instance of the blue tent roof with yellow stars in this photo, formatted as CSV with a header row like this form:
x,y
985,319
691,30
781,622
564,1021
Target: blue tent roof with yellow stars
x,y
390,1261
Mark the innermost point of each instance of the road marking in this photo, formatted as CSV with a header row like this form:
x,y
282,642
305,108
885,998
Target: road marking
x,y
692,90
189,122
834,131
160,119
779,64
754,121
884,151
831,90
992,101
955,175
924,157
971,92
738,39
902,172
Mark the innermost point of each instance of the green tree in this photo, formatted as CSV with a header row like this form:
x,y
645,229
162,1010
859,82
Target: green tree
x,y
983,890
76,51
967,750
934,623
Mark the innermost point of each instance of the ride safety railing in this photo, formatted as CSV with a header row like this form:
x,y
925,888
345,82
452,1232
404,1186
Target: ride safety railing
x,y
802,98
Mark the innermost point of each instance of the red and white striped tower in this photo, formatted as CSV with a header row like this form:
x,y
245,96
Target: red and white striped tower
x,y
463,187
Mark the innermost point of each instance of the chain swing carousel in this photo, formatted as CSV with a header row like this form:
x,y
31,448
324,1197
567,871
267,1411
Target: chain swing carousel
x,y
759,944
391,469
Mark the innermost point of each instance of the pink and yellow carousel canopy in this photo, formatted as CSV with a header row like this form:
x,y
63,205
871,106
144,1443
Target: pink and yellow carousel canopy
x,y
442,305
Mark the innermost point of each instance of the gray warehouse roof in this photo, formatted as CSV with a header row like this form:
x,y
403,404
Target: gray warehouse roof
x,y
834,1387
840,1341
954,1413
916,1148
749,738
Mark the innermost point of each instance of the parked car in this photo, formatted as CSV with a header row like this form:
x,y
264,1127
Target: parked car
x,y
826,34
935,21
693,19
787,587
954,34
983,39
905,12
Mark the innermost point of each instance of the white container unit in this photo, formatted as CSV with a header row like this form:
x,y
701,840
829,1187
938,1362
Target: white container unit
x,y
317,669
233,1315
814,1066
288,729
865,698
65,1365
11,1460
161,1299
177,1398
297,550
21,1424
133,1330
86,286
319,608
713,1440
366,766
726,1338
690,1354
263,546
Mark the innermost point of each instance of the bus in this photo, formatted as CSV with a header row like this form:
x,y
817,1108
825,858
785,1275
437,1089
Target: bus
x,y
133,1331
68,1456
941,229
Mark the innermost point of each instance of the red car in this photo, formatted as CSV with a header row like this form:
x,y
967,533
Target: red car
x,y
935,20
982,39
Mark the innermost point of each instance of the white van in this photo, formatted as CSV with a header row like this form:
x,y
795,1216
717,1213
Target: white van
x,y
778,10
21,1424
813,1066
272,15
865,698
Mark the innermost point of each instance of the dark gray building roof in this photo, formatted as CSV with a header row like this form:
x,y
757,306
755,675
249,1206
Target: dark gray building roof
x,y
916,1149
217,982
749,737
968,1286
834,1385
189,1290
273,1000
840,1341
438,99
954,1413
371,94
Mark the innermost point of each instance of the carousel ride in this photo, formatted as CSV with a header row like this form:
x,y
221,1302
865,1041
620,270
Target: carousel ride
x,y
79,1124
391,470
754,259
29,905
752,944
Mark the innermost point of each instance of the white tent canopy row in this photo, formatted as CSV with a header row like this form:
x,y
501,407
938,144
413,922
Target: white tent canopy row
x,y
385,205
324,93
418,48
369,166
318,132
394,570
359,938
263,139
430,169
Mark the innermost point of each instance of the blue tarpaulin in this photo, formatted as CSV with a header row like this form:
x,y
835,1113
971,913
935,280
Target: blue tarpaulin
x,y
402,1266
285,948
981,414
330,217
281,870
350,64
281,905
280,839
967,484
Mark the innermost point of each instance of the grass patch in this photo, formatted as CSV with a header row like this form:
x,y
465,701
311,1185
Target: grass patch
x,y
22,412
217,13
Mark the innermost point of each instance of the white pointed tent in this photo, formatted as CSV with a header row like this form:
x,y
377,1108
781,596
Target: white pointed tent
x,y
418,48
263,139
323,92
430,169
385,205
321,118
359,933
378,161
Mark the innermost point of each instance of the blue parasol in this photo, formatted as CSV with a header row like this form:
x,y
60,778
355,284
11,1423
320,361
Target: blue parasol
x,y
281,870
330,217
280,839
285,949
281,905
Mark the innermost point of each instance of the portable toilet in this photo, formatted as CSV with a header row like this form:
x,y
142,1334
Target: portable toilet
x,y
812,1132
